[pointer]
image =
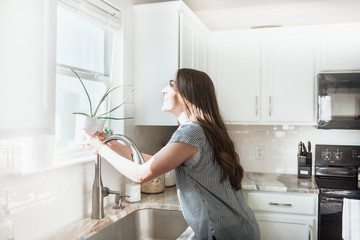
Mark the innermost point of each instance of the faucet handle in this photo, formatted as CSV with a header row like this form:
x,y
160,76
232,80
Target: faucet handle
x,y
118,200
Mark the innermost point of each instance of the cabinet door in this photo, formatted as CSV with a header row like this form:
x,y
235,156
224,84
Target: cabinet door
x,y
193,44
238,77
201,50
340,48
27,68
156,53
187,42
288,77
284,227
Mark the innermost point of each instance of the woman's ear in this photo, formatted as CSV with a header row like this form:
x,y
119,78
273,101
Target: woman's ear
x,y
181,100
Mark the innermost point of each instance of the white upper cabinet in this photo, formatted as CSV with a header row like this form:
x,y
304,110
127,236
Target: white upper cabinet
x,y
168,36
27,67
266,76
288,77
201,45
340,48
238,76
187,42
193,42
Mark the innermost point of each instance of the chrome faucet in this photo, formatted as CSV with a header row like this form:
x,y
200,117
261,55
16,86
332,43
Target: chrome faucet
x,y
98,190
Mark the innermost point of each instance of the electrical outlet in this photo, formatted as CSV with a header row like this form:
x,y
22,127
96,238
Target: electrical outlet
x,y
259,152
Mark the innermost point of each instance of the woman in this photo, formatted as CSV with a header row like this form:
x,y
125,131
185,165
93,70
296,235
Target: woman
x,y
208,173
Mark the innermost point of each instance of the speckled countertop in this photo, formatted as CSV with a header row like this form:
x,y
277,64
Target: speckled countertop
x,y
168,200
277,182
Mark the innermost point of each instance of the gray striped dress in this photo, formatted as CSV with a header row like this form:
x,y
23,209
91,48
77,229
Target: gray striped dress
x,y
212,209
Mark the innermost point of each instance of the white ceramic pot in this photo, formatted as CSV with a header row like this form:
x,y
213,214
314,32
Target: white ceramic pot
x,y
170,178
90,125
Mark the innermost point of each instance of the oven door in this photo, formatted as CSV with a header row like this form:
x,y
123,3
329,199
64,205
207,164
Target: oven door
x,y
330,218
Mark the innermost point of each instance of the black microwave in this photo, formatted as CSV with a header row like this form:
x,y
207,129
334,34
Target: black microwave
x,y
338,100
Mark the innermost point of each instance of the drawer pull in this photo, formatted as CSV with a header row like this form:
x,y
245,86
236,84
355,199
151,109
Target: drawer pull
x,y
280,204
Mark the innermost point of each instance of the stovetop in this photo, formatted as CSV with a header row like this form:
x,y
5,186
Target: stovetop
x,y
336,170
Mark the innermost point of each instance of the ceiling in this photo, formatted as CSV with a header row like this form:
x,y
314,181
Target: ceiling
x,y
246,14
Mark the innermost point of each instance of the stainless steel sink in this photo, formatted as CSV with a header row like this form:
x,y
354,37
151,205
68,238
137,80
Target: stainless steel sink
x,y
149,224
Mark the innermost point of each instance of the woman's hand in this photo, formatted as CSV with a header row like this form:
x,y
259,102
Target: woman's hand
x,y
101,135
94,143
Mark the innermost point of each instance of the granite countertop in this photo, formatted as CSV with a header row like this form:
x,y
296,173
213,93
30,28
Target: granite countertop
x,y
277,182
168,200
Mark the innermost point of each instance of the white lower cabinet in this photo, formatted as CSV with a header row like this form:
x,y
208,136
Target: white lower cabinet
x,y
283,216
283,227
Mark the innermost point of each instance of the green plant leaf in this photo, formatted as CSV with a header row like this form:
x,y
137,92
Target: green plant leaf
x,y
81,113
108,131
107,92
104,97
114,118
126,99
87,94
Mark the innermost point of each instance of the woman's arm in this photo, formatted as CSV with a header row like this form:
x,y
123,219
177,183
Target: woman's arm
x,y
168,158
125,151
120,148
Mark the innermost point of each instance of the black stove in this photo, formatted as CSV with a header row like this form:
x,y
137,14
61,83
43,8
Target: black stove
x,y
336,174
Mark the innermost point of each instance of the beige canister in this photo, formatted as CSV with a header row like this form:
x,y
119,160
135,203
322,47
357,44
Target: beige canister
x,y
156,185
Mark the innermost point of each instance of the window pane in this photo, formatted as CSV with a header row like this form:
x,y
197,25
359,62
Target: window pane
x,y
70,97
80,42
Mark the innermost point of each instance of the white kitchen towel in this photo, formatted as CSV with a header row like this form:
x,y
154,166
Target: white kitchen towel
x,y
325,108
351,219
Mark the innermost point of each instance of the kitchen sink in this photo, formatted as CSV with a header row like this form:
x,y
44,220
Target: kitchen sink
x,y
149,224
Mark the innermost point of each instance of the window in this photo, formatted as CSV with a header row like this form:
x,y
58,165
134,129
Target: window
x,y
85,44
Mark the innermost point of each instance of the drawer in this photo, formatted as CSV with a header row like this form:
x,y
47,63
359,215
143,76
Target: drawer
x,y
305,204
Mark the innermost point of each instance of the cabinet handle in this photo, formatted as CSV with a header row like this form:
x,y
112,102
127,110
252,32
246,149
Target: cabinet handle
x,y
280,204
256,106
310,232
270,106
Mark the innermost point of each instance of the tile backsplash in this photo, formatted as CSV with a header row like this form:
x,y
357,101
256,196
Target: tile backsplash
x,y
150,139
279,144
40,203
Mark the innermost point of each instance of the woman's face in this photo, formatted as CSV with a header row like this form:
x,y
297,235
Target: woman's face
x,y
172,100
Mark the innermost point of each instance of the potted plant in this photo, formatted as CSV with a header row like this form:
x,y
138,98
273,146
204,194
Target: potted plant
x,y
94,121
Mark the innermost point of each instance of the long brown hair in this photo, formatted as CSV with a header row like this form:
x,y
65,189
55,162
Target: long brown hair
x,y
198,93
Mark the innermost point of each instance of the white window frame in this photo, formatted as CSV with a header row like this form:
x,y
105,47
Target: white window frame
x,y
108,16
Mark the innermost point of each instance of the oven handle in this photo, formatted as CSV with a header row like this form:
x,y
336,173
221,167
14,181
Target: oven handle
x,y
332,200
